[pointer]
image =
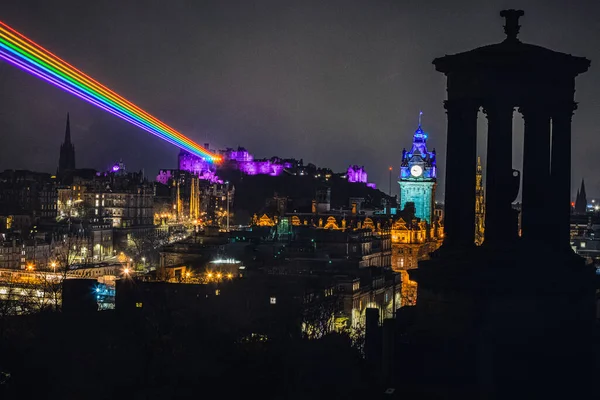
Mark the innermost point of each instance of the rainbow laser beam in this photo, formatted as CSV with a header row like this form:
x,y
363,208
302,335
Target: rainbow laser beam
x,y
18,50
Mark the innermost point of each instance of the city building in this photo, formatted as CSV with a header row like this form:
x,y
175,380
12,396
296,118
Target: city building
x,y
25,254
27,198
418,176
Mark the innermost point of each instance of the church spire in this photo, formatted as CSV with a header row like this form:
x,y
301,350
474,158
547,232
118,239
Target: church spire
x,y
66,161
68,131
581,200
582,191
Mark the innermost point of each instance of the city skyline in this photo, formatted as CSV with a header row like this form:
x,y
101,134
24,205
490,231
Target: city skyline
x,y
337,109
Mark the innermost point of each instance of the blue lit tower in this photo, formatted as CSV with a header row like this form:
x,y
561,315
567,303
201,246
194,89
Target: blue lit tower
x,y
418,176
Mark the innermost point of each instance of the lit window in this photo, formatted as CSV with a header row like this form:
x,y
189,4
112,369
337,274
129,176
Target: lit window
x,y
138,305
582,245
273,300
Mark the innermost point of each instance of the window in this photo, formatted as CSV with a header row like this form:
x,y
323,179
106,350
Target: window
x,y
138,305
217,292
273,300
582,245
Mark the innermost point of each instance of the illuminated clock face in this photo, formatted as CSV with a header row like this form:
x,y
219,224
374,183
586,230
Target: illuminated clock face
x,y
416,170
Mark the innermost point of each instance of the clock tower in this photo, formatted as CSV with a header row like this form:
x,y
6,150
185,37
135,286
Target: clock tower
x,y
418,176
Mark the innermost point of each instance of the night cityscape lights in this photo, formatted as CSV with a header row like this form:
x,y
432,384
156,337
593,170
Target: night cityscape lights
x,y
22,52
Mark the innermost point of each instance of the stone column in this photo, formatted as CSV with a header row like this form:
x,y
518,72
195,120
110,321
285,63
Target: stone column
x,y
498,210
536,173
461,163
560,173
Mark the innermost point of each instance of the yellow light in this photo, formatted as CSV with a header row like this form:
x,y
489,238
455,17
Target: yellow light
x,y
187,274
126,271
230,275
53,265
30,267
209,275
219,275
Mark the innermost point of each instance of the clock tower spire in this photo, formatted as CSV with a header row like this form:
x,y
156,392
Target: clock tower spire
x,y
418,174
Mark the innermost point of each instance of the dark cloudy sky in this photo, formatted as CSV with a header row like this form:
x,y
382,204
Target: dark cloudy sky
x,y
333,82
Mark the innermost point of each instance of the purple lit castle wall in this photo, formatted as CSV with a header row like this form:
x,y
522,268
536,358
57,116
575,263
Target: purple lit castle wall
x,y
245,162
194,164
198,166
263,167
239,159
357,174
239,155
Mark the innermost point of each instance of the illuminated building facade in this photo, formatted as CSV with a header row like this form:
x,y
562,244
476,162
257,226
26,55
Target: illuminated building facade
x,y
122,199
479,205
413,240
418,177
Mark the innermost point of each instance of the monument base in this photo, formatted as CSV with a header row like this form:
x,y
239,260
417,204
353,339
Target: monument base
x,y
505,322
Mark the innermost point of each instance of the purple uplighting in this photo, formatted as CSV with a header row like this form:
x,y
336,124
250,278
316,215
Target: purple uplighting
x,y
357,174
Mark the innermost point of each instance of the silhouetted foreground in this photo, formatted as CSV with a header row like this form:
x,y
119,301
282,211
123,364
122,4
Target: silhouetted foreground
x,y
102,356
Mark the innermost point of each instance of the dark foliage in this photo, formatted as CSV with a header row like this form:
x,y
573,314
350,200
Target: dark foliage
x,y
102,356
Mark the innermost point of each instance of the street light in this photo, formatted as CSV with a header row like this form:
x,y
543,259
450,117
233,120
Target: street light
x,y
144,261
227,188
390,190
53,265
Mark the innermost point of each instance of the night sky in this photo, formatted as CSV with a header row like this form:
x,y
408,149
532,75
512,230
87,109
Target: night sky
x,y
332,82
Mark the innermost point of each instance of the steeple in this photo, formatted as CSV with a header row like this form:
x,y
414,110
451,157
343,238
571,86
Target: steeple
x,y
68,131
66,160
581,200
419,139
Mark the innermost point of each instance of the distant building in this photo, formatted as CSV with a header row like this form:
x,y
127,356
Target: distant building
x,y
124,201
418,177
18,254
27,193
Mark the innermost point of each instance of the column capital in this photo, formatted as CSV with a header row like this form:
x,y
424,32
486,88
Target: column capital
x,y
563,108
472,105
494,109
535,110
